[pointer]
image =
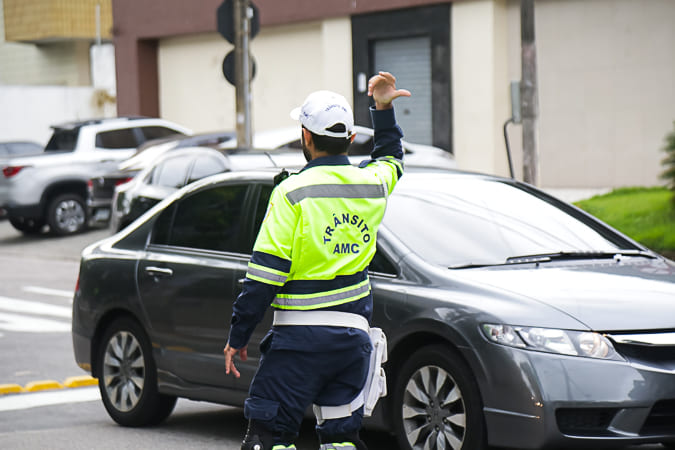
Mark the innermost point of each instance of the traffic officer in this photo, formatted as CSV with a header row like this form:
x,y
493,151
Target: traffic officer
x,y
310,263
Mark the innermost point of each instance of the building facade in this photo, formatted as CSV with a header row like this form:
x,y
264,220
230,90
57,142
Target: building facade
x,y
606,71
56,65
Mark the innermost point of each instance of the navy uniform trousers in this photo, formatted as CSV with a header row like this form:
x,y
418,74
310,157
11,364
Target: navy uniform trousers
x,y
289,381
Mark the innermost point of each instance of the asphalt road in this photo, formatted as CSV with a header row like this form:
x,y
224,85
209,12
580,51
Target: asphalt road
x,y
37,277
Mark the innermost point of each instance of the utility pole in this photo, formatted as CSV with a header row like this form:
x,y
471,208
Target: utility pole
x,y
528,93
243,74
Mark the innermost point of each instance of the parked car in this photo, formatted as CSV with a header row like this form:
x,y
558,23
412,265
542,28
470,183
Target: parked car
x,y
51,188
513,319
175,169
12,149
19,148
100,189
415,154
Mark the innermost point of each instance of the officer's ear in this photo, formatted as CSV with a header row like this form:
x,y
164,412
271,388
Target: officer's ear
x,y
307,136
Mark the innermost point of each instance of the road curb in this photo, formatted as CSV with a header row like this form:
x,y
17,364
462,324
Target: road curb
x,y
45,385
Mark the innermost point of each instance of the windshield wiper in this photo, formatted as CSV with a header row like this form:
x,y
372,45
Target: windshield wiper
x,y
576,255
558,256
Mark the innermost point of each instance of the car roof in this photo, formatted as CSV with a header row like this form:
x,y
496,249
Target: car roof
x,y
80,123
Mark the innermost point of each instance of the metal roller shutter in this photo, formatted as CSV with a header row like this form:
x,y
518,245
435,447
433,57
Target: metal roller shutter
x,y
409,60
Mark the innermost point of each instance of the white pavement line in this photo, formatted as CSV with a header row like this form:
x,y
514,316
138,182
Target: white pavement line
x,y
25,306
18,322
26,401
47,291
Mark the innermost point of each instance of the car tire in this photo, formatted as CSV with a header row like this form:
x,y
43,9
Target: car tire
x,y
67,214
436,403
127,377
27,226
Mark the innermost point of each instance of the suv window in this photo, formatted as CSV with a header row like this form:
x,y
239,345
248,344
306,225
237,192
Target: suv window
x,y
172,172
204,167
158,132
210,220
115,139
62,140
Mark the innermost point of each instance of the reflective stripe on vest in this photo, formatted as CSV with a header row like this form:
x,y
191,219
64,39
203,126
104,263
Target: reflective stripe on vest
x,y
322,299
336,191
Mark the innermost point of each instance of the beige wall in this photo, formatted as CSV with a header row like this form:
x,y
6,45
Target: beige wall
x,y
292,61
480,93
606,84
606,89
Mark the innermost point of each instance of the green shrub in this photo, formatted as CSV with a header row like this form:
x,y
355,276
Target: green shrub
x,y
669,161
644,214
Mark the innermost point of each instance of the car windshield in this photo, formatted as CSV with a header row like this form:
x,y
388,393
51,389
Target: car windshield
x,y
457,221
63,140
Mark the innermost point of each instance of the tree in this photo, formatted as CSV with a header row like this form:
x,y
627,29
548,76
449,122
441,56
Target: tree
x,y
669,161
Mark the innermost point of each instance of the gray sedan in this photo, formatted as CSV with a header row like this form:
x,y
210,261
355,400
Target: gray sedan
x,y
513,319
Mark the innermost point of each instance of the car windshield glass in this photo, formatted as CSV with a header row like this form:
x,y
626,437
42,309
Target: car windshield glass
x,y
62,140
462,222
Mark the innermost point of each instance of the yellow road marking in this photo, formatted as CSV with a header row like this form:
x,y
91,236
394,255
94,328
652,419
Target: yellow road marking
x,y
44,385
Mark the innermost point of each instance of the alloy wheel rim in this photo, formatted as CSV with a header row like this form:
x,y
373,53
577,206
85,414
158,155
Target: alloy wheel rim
x,y
69,215
124,371
433,410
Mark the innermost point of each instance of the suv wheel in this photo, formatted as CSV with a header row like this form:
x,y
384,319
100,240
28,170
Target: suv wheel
x,y
27,226
128,377
437,404
67,214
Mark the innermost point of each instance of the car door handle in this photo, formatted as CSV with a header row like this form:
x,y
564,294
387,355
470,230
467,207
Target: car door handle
x,y
240,281
159,271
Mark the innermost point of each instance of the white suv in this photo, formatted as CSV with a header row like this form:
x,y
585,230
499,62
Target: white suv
x,y
51,188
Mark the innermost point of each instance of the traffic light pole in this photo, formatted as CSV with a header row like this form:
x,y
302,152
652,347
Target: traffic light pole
x,y
242,18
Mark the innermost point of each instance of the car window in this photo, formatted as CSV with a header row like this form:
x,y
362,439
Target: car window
x,y
210,219
157,132
171,172
205,166
362,145
116,139
380,264
62,140
261,210
23,148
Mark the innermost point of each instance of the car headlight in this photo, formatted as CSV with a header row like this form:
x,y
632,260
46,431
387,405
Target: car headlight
x,y
565,342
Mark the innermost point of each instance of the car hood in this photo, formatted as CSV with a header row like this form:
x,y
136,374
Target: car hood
x,y
605,296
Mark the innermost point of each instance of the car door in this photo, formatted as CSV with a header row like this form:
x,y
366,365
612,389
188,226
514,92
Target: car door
x,y
189,278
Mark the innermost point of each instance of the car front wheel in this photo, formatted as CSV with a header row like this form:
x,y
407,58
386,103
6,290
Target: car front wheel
x,y
128,377
437,404
67,214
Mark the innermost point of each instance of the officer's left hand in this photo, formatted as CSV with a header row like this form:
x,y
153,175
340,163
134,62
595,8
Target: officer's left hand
x,y
229,358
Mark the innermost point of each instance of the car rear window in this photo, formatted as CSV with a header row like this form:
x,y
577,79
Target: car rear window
x,y
63,140
158,132
117,139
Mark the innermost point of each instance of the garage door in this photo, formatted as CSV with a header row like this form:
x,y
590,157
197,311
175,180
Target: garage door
x,y
409,59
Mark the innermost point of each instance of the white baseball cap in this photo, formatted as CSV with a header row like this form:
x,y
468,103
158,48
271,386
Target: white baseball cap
x,y
324,109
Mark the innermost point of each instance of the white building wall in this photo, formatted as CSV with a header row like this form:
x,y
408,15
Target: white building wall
x,y
27,112
292,61
606,89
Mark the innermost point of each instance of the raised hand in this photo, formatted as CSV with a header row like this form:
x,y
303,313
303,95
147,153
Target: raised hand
x,y
382,87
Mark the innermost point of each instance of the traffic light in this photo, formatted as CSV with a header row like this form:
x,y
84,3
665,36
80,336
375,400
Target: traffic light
x,y
228,24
